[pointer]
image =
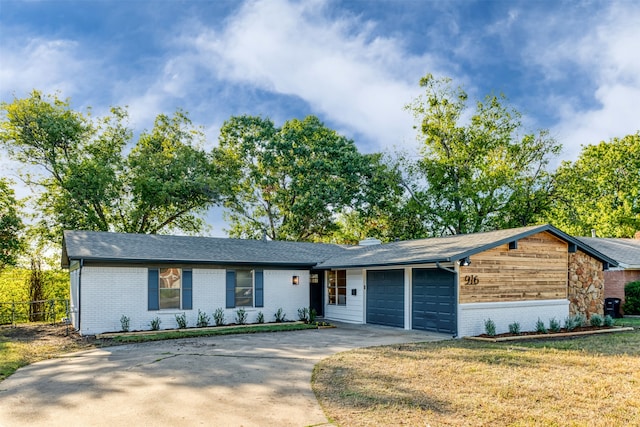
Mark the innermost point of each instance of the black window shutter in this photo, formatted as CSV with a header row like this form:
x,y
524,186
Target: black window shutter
x,y
153,293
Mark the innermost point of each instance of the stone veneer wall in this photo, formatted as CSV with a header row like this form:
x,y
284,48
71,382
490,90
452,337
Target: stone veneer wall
x,y
586,285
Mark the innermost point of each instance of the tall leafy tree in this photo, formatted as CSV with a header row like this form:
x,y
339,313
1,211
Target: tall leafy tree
x,y
287,182
87,180
601,190
478,174
11,226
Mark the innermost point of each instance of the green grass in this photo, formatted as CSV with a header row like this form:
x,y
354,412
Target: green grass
x,y
629,321
169,335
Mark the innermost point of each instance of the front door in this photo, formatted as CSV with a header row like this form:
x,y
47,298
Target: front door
x,y
316,291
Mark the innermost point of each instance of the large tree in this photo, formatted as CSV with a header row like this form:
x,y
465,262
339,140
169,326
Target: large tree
x,y
11,226
480,173
287,182
87,179
601,190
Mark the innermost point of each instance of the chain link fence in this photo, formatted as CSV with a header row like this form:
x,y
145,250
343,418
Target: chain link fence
x,y
50,310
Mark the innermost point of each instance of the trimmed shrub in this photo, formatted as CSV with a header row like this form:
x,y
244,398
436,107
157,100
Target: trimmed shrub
x,y
554,325
608,320
596,320
632,298
203,319
181,320
124,323
540,328
490,327
241,316
514,328
218,316
155,324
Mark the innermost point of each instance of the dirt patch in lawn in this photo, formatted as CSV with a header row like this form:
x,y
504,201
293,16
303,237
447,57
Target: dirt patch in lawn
x,y
29,343
567,382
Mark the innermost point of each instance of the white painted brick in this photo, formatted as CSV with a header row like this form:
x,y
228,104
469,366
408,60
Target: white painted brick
x,y
471,317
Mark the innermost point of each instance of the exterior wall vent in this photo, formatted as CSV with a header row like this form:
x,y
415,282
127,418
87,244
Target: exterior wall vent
x,y
369,241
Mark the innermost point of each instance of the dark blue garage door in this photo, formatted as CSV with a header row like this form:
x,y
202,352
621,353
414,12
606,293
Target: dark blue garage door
x,y
385,297
434,300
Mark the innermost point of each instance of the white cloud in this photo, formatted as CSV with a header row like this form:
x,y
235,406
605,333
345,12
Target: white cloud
x,y
604,47
337,66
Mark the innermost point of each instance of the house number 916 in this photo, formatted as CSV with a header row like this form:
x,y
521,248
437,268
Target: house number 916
x,y
471,280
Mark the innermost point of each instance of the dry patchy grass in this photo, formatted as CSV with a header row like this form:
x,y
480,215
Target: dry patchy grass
x,y
561,383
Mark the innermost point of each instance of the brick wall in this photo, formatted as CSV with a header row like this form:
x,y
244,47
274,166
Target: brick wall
x,y
615,280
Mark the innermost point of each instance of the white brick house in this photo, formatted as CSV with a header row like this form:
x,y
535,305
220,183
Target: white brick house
x,y
448,285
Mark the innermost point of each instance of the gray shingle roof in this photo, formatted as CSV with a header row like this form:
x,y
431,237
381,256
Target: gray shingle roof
x,y
445,249
114,247
94,245
625,251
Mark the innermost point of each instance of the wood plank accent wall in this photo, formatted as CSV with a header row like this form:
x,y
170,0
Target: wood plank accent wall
x,y
536,270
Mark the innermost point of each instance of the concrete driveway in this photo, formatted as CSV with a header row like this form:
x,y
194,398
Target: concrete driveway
x,y
240,380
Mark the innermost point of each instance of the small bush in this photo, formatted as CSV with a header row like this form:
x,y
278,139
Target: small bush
x,y
203,319
241,316
181,320
580,320
554,325
303,314
490,327
632,298
312,315
540,327
596,320
155,324
124,323
280,316
218,316
260,317
514,328
608,321
572,322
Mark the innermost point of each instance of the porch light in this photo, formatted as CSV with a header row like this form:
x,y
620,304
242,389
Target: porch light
x,y
295,280
465,262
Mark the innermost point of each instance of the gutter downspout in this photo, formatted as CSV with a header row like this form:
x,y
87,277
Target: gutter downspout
x,y
80,295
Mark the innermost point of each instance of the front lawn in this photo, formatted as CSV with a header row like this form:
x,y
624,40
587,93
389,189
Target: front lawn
x,y
591,381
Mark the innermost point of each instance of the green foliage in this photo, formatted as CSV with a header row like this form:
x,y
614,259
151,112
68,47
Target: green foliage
x,y
600,190
11,226
89,183
218,316
312,315
14,284
540,327
260,317
124,323
483,175
241,316
280,315
303,314
514,328
596,320
554,325
575,321
632,298
203,319
155,323
287,182
181,320
609,321
490,327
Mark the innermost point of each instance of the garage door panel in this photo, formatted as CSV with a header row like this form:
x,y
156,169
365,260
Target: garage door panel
x,y
385,297
434,300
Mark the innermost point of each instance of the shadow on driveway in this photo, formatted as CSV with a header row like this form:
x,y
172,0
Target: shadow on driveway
x,y
249,380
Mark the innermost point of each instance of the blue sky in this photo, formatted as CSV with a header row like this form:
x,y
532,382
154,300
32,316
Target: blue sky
x,y
570,67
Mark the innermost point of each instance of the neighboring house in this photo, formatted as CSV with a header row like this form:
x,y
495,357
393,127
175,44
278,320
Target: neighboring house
x,y
626,252
449,285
